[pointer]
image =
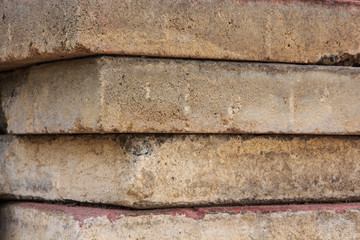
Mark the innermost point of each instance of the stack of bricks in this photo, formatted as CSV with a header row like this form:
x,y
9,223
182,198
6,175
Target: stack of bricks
x,y
162,119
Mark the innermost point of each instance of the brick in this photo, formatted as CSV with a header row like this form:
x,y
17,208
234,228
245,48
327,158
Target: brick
x,y
123,95
311,222
148,171
299,31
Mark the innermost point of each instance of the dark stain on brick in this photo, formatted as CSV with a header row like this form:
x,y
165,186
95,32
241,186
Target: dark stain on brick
x,y
3,123
345,59
139,146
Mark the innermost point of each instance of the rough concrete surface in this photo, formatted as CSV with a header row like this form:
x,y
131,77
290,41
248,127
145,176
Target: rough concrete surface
x,y
300,31
180,170
115,94
310,222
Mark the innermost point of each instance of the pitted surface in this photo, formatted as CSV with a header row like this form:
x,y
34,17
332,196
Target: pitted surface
x,y
315,222
147,171
136,95
257,30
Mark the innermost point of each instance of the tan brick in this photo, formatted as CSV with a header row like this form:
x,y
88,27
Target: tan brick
x,y
310,222
114,94
298,31
180,170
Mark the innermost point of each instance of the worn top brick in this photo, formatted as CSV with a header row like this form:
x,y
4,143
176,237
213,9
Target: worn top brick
x,y
326,31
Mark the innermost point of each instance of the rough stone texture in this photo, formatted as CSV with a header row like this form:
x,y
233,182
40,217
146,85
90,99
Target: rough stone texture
x,y
311,222
180,170
115,94
301,31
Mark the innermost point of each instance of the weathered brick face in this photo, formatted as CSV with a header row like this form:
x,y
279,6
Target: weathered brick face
x,y
181,170
272,31
264,222
122,95
162,119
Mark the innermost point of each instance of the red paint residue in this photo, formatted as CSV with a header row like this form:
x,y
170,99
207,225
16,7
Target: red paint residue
x,y
199,213
82,213
78,213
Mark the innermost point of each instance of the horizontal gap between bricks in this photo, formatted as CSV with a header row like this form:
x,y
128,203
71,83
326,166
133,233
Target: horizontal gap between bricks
x,y
71,203
180,58
162,134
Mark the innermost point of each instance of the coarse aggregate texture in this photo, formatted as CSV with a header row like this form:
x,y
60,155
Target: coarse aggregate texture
x,y
300,31
141,95
310,222
150,171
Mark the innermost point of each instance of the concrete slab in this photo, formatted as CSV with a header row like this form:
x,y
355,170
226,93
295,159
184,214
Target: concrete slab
x,y
136,95
300,31
149,171
311,222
